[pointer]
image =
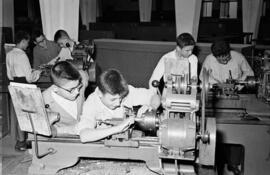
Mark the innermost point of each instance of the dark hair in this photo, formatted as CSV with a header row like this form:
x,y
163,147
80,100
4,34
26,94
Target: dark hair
x,y
36,33
21,35
59,34
64,70
112,81
220,48
185,39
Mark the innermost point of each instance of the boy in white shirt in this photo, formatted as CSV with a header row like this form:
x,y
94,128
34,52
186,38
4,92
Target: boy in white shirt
x,y
109,101
19,70
224,63
180,61
62,38
17,62
66,95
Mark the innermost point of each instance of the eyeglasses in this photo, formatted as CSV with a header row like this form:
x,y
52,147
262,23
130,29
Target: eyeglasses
x,y
72,90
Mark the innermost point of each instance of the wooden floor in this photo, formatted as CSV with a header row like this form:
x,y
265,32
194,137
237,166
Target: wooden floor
x,y
15,164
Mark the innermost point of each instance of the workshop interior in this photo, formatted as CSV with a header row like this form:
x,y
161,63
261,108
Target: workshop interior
x,y
200,127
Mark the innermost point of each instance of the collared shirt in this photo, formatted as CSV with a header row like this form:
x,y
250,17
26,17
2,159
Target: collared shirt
x,y
18,65
69,106
238,66
44,55
94,109
170,63
65,54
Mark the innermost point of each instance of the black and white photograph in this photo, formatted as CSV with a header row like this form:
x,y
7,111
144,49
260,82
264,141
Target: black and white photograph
x,y
135,87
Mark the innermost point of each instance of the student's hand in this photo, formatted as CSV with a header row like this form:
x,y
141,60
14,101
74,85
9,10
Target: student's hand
x,y
155,101
143,109
36,74
239,87
39,71
52,62
42,66
125,124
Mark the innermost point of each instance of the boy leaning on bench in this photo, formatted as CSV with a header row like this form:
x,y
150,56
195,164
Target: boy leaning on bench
x,y
109,100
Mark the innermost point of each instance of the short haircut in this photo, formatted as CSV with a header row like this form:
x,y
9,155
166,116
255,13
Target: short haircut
x,y
21,35
220,48
64,71
60,34
37,33
112,81
185,39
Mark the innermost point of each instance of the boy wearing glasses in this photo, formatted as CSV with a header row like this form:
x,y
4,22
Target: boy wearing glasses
x,y
45,50
110,100
66,95
225,63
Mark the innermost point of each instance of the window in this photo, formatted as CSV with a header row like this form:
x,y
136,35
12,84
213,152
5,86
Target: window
x,y
228,9
207,8
222,9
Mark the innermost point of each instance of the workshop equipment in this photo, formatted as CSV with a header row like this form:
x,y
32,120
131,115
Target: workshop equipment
x,y
180,141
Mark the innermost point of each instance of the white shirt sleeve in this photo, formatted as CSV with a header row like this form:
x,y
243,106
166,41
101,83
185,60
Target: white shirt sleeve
x,y
65,54
88,117
8,66
193,60
205,65
18,65
158,72
30,75
245,67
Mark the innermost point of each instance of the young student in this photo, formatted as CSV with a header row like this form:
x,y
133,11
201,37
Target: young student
x,y
17,62
224,63
19,70
179,61
45,50
62,38
66,95
108,101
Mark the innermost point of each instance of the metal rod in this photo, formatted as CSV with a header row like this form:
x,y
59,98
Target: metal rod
x,y
176,167
50,150
203,103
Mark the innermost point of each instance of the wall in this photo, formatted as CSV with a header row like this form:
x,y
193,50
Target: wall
x,y
137,59
8,14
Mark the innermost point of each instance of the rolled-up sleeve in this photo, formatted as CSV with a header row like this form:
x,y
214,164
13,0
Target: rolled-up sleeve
x,y
88,117
23,69
193,60
158,72
245,68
